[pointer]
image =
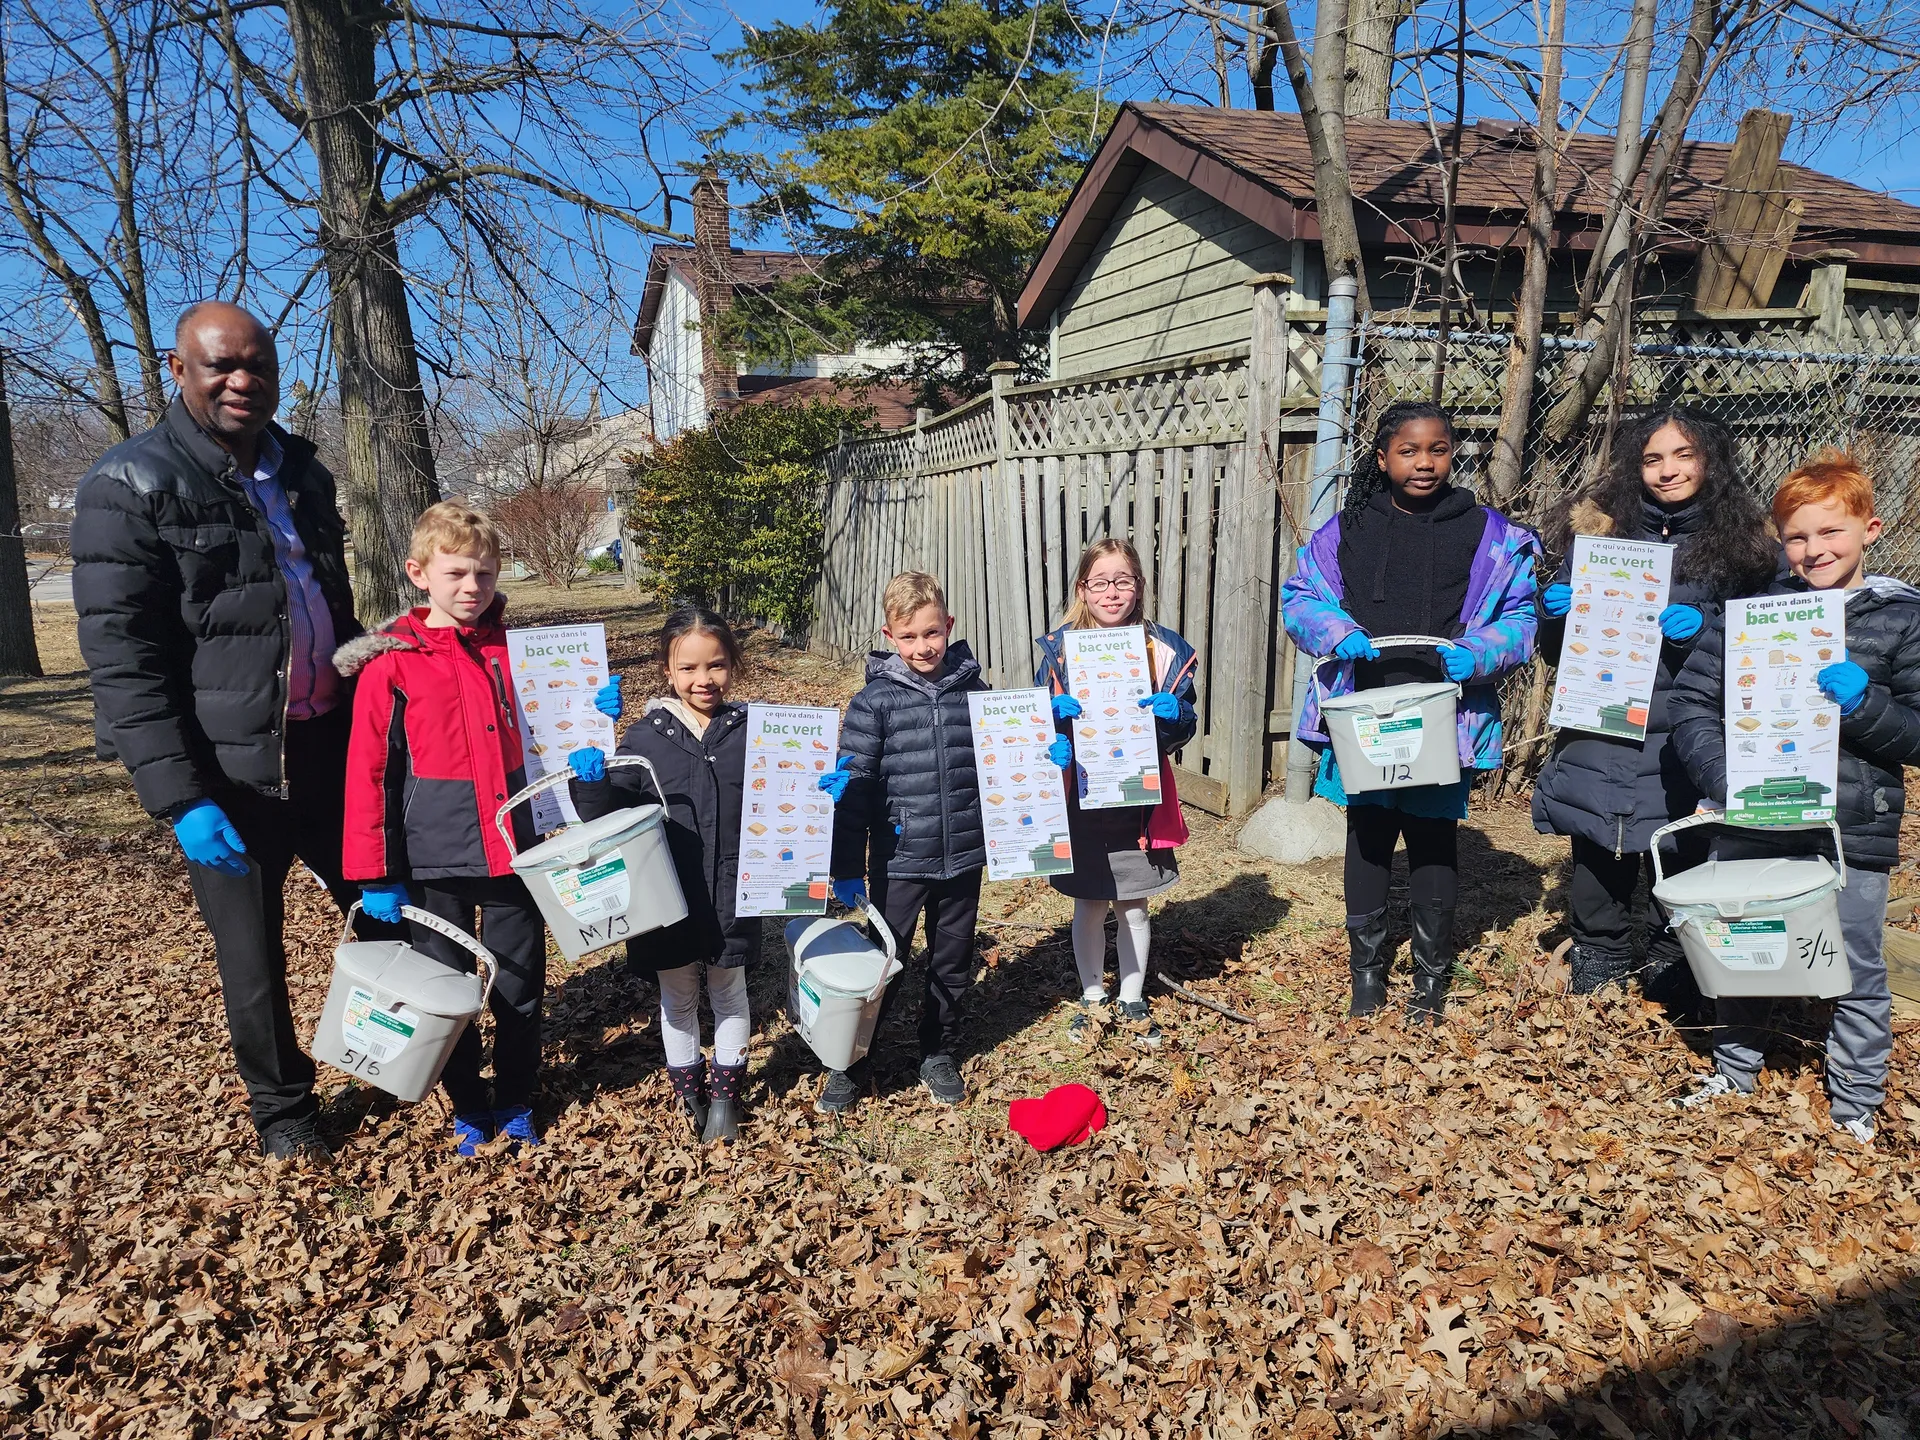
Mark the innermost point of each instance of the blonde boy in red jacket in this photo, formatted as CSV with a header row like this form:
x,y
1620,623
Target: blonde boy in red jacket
x,y
435,750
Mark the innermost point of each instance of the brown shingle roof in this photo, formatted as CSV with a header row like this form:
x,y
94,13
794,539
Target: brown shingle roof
x,y
748,270
1258,164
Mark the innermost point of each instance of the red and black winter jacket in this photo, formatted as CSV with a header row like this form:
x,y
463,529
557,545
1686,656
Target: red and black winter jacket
x,y
435,750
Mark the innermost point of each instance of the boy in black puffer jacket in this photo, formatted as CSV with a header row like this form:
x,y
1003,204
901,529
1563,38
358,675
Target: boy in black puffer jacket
x,y
1825,514
908,817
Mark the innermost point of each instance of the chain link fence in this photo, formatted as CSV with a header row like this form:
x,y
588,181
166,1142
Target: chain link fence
x,y
1782,406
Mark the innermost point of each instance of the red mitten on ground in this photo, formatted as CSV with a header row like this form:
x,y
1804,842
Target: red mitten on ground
x,y
1065,1115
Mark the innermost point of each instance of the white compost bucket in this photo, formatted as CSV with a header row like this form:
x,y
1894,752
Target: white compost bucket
x,y
1759,927
835,982
601,881
1398,736
393,1014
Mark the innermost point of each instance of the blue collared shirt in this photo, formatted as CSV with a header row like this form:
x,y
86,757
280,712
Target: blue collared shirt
x,y
313,685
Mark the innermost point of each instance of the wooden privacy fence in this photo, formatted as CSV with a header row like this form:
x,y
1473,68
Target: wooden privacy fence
x,y
1196,462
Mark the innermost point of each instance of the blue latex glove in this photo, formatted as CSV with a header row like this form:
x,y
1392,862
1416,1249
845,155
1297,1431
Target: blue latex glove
x,y
208,838
835,781
1556,600
589,764
1356,647
1456,662
850,893
607,698
1163,705
1065,707
1061,752
1844,683
382,902
1681,622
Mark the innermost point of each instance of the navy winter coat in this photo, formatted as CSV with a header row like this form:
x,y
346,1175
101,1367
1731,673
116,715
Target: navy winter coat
x,y
704,778
1611,791
912,809
1876,740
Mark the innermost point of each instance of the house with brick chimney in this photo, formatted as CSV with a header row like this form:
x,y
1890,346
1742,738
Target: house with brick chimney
x,y
689,380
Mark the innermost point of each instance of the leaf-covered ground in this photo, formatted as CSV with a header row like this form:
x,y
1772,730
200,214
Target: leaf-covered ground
x,y
1305,1226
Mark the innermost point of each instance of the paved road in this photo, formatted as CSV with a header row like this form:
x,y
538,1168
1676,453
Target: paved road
x,y
55,588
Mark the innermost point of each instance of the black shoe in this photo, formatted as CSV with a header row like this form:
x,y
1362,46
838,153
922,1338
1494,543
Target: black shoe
x,y
942,1079
724,1110
1367,935
1133,1017
295,1140
841,1092
690,1087
1595,969
1084,1027
1668,981
1432,963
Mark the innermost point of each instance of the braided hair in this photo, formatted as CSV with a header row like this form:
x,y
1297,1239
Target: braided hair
x,y
1369,475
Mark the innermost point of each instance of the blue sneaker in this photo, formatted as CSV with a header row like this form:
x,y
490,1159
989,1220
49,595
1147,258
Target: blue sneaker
x,y
516,1123
470,1132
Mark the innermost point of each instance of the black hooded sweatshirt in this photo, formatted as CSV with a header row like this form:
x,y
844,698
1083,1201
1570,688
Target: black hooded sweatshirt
x,y
1407,574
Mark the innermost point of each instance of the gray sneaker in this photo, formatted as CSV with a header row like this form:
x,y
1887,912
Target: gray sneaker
x,y
1084,1027
942,1079
840,1094
1860,1127
1715,1087
1134,1017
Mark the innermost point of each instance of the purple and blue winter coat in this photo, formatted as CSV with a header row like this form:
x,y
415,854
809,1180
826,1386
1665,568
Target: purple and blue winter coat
x,y
1498,620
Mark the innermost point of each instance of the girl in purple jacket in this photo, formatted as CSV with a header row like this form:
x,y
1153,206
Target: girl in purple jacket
x,y
1410,553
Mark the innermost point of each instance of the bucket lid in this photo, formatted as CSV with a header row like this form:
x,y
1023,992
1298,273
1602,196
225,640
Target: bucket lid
x,y
1733,885
1389,698
836,954
420,981
578,844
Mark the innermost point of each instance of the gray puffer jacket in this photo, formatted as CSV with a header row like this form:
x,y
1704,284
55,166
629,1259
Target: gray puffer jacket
x,y
1881,736
912,809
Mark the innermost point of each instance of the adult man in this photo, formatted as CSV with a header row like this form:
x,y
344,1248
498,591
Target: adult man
x,y
211,580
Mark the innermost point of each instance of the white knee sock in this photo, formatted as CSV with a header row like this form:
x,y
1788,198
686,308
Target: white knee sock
x,y
727,993
1131,943
680,1014
1090,947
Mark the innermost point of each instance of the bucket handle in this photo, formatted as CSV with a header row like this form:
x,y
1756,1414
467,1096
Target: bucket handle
x,y
480,953
884,933
554,777
1719,817
1401,642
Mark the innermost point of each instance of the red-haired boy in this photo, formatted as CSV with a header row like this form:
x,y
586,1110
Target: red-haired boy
x,y
1824,511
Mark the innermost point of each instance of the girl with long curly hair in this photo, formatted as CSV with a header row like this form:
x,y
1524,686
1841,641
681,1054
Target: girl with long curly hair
x,y
1673,478
1410,553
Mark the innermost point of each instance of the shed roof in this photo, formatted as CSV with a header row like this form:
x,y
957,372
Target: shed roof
x,y
1257,163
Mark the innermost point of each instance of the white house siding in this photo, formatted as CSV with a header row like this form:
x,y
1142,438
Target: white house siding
x,y
1167,279
678,400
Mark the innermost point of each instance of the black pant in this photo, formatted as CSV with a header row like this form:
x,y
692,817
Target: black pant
x,y
952,908
246,913
512,929
1433,858
1600,895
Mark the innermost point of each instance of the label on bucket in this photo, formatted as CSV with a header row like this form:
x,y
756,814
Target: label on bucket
x,y
1390,739
809,1006
591,891
379,1034
1747,944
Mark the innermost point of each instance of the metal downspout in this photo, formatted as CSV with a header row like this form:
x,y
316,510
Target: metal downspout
x,y
1338,359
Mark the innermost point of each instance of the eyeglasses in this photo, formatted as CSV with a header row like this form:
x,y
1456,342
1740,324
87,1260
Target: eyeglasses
x,y
1125,585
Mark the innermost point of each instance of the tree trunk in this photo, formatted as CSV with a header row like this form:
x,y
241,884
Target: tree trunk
x,y
1373,29
133,261
1523,351
390,472
1613,321
19,654
1629,151
1327,142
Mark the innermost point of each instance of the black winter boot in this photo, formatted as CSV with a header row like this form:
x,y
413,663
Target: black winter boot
x,y
1367,935
690,1084
1432,963
1594,969
723,1116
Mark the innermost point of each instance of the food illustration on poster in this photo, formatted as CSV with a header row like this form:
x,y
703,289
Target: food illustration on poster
x,y
1023,799
786,820
1611,650
1783,735
1115,744
555,672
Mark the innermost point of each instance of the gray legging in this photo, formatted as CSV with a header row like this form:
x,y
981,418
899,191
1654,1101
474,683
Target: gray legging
x,y
1860,1039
